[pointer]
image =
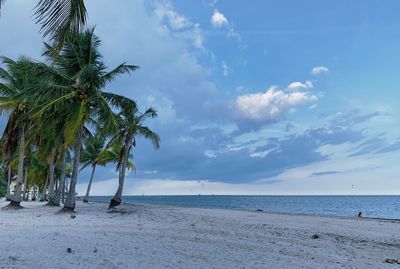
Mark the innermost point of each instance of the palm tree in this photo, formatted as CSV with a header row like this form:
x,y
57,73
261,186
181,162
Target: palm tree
x,y
17,80
73,83
131,126
92,155
59,18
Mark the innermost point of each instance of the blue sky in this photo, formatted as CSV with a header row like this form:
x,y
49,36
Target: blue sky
x,y
254,97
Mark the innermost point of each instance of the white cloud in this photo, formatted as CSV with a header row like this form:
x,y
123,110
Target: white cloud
x,y
179,24
260,154
219,20
309,84
296,86
272,105
319,69
175,20
210,154
225,69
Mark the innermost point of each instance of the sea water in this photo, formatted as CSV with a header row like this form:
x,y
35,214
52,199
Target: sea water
x,y
346,206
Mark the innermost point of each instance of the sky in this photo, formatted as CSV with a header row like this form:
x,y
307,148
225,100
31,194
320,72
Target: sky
x,y
254,97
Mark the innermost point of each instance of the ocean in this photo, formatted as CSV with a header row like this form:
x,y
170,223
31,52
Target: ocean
x,y
344,206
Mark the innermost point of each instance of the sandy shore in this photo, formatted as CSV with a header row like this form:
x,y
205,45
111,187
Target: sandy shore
x,y
149,236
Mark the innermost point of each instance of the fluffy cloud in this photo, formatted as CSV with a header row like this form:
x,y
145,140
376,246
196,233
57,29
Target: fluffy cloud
x,y
272,105
219,20
167,12
295,86
178,24
319,69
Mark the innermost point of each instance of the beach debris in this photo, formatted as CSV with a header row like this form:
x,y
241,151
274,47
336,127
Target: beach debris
x,y
315,236
69,250
95,250
73,216
259,210
392,261
13,258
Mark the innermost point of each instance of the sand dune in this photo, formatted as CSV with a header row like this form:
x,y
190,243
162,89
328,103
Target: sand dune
x,y
149,236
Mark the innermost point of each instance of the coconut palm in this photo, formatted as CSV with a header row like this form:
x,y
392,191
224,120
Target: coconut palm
x,y
95,152
92,155
58,18
73,83
131,125
16,80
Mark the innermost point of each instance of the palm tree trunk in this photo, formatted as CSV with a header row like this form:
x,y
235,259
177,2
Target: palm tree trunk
x,y
16,198
86,199
61,184
9,183
64,191
121,178
51,178
33,193
43,196
24,196
70,201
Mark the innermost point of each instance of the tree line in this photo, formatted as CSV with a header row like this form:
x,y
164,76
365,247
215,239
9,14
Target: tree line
x,y
60,118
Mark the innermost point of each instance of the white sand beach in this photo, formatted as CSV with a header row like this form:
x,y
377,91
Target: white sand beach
x,y
151,236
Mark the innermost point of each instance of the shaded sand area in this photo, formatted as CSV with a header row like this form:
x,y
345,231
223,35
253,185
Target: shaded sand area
x,y
151,236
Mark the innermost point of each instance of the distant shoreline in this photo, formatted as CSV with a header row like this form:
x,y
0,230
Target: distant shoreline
x,y
372,207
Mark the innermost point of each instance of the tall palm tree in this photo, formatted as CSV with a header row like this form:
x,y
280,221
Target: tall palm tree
x,y
92,155
131,126
16,80
59,18
78,77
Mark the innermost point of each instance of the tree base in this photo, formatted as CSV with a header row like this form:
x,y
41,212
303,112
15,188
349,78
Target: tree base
x,y
85,201
13,205
66,210
114,203
52,203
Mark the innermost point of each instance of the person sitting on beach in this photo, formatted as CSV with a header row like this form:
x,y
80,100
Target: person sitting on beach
x,y
359,216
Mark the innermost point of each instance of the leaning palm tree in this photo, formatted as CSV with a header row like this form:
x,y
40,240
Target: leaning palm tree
x,y
131,126
92,155
59,18
73,83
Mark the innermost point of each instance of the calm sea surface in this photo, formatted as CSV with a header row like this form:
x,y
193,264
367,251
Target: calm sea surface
x,y
347,206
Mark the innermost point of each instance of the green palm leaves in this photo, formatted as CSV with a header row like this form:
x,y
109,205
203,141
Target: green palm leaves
x,y
59,18
56,106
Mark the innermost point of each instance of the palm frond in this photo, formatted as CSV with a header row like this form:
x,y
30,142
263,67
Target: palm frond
x,y
1,4
59,18
148,134
120,70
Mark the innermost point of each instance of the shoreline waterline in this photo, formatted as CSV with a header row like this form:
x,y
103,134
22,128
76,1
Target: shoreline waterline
x,y
372,207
